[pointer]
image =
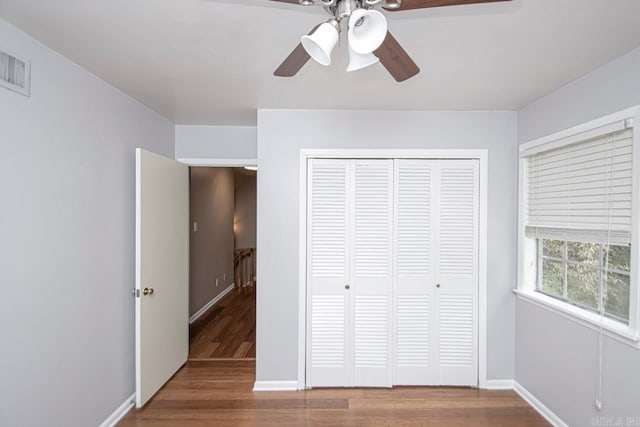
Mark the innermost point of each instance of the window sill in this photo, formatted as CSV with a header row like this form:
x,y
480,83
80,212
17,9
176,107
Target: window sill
x,y
611,328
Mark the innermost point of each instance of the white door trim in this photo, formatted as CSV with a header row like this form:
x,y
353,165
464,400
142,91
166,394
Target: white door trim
x,y
214,162
481,155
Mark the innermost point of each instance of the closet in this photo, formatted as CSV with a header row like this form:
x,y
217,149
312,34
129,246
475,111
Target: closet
x,y
392,274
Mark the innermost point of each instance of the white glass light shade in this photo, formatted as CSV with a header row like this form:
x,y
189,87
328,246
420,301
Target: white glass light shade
x,y
358,61
370,33
321,42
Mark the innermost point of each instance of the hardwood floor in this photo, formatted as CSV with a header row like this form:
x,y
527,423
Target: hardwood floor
x,y
228,330
219,393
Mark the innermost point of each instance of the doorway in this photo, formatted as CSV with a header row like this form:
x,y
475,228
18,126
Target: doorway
x,y
222,280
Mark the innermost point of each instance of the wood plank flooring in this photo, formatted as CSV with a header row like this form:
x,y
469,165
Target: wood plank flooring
x,y
228,330
219,393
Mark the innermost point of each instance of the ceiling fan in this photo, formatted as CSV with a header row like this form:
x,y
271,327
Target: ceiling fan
x,y
369,40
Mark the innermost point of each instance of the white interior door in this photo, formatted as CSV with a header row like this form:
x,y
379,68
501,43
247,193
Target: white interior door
x,y
327,273
349,272
416,349
457,217
162,271
393,272
370,272
436,272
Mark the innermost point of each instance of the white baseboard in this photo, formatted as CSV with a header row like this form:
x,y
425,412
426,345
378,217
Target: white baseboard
x,y
210,304
120,412
538,406
275,386
499,385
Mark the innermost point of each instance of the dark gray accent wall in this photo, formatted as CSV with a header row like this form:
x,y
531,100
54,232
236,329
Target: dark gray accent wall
x,y
211,246
245,209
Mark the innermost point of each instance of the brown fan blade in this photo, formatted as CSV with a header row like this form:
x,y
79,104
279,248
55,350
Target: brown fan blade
x,y
396,60
294,62
423,4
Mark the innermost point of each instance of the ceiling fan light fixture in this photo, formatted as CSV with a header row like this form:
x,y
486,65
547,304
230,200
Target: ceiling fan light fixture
x,y
306,2
358,61
367,30
392,4
321,42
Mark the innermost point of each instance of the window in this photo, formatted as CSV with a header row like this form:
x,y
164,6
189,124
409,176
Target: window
x,y
593,276
578,251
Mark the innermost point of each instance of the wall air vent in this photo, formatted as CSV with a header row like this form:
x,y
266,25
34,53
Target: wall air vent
x,y
15,73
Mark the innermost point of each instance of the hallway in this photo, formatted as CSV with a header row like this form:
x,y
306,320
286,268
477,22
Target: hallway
x,y
227,330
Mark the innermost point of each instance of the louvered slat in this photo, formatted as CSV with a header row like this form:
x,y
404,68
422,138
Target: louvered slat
x,y
328,220
457,214
327,331
371,334
456,331
413,219
372,216
413,331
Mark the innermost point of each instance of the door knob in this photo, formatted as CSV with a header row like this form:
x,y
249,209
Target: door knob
x,y
147,291
438,285
347,286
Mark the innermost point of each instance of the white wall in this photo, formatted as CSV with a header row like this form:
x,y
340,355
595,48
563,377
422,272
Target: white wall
x,y
556,359
211,246
217,142
282,133
67,240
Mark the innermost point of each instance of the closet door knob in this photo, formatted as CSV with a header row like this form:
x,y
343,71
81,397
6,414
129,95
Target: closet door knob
x,y
347,286
438,285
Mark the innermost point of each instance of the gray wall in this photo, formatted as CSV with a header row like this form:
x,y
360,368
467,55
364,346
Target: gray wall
x,y
612,87
211,247
282,133
555,357
67,186
216,142
245,209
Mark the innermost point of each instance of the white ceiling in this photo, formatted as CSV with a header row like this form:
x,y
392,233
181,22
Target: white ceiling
x,y
212,61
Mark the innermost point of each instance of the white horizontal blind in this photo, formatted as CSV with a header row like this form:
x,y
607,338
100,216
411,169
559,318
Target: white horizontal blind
x,y
582,191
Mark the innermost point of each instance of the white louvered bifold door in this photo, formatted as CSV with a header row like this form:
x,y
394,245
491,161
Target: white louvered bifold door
x,y
457,191
414,273
371,264
327,272
392,272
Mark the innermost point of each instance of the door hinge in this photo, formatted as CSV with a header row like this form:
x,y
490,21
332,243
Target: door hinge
x,y
135,293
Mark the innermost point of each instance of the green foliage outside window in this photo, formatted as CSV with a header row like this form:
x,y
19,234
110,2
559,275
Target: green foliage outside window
x,y
590,275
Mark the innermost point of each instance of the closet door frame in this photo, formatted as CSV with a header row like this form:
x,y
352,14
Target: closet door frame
x,y
458,154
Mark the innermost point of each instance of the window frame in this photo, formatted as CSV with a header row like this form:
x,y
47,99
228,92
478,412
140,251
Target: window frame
x,y
528,268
